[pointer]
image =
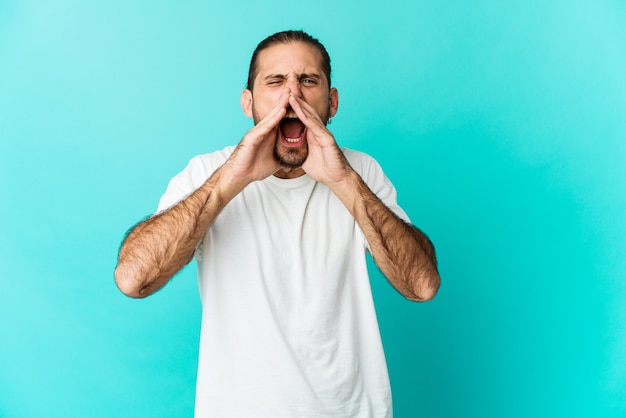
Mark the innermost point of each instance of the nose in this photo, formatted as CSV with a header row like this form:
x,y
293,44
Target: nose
x,y
294,85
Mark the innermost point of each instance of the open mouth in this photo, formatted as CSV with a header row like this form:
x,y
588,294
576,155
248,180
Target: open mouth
x,y
292,131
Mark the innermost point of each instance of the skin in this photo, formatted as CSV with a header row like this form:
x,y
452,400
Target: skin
x,y
290,82
291,72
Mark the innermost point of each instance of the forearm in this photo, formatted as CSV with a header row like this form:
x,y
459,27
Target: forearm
x,y
403,253
160,246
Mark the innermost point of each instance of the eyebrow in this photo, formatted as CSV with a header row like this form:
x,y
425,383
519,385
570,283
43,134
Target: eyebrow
x,y
300,76
306,75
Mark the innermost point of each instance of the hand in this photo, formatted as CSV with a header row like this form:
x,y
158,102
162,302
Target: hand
x,y
253,159
325,162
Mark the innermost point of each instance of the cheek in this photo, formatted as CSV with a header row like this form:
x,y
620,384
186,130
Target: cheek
x,y
263,103
323,108
258,110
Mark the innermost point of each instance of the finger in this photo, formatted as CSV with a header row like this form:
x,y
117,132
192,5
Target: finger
x,y
277,113
304,111
270,122
309,117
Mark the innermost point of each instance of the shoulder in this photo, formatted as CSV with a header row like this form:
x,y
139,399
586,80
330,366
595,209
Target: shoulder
x,y
211,161
358,159
373,175
201,167
197,171
363,163
356,156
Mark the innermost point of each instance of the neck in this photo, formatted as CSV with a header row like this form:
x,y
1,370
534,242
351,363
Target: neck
x,y
286,173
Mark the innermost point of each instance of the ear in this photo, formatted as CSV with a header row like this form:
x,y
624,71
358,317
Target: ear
x,y
334,101
246,102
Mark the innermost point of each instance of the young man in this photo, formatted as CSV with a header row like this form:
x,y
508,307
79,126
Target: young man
x,y
280,226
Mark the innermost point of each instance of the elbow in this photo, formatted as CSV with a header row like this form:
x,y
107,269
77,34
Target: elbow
x,y
427,289
128,284
427,294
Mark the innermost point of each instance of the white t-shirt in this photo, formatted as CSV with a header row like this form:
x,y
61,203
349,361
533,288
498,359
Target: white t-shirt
x,y
288,321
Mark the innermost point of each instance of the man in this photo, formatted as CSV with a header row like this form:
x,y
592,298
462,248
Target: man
x,y
280,225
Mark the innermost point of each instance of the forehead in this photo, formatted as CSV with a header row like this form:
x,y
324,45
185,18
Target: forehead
x,y
295,57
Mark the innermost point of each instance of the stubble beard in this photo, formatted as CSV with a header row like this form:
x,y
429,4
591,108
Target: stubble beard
x,y
291,158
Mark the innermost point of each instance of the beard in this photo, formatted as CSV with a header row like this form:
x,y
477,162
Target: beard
x,y
290,157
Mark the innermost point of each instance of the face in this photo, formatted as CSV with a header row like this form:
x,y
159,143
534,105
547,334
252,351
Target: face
x,y
298,66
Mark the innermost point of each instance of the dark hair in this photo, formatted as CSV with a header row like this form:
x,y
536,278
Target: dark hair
x,y
285,38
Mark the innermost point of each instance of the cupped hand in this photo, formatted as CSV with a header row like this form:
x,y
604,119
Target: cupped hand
x,y
253,159
325,162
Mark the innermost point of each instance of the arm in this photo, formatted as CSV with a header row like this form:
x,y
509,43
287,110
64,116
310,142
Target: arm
x,y
159,247
402,252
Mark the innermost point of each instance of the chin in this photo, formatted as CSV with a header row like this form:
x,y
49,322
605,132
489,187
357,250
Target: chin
x,y
291,158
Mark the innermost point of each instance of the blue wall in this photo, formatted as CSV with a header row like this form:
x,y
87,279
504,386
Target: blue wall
x,y
502,125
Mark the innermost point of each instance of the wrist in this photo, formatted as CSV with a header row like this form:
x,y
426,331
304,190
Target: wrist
x,y
226,184
347,189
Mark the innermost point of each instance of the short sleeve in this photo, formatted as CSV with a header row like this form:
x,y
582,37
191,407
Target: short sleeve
x,y
194,175
372,174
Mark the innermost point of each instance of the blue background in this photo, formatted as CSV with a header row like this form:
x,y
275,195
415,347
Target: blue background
x,y
502,125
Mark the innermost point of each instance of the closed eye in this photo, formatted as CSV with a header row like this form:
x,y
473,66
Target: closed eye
x,y
274,80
